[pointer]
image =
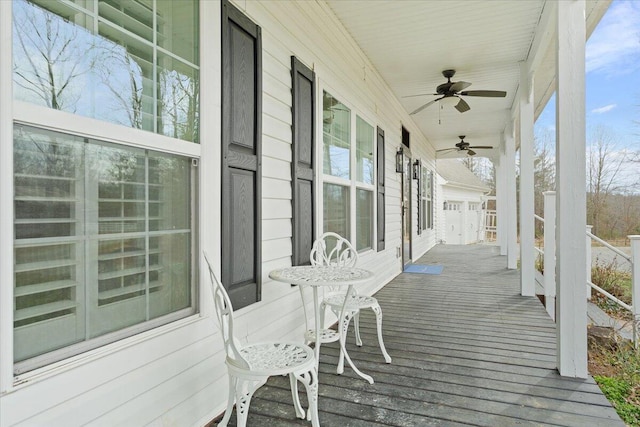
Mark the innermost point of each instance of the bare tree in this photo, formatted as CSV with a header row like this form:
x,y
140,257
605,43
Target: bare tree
x,y
604,173
482,168
125,84
51,56
178,102
544,167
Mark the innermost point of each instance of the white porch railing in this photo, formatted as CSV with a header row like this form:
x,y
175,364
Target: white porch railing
x,y
548,254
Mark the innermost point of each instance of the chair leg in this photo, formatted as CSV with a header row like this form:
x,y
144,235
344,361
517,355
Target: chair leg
x,y
310,381
323,308
294,394
378,311
233,382
244,392
343,328
356,326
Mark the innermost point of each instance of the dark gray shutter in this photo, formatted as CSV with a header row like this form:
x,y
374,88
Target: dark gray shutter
x,y
418,169
302,172
380,189
241,156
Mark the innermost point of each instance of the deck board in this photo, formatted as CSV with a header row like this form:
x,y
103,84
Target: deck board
x,y
467,349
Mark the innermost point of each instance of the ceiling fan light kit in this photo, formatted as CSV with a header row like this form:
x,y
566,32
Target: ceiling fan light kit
x,y
451,101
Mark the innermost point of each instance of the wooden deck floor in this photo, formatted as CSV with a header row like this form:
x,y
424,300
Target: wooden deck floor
x,y
466,349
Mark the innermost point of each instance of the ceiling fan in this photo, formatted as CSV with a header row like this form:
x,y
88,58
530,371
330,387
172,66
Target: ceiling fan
x,y
465,146
454,90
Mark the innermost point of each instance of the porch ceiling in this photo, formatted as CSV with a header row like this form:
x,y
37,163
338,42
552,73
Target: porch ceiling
x,y
410,42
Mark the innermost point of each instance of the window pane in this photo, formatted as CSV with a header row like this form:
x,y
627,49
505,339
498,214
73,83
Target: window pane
x,y
364,151
102,238
364,219
177,24
123,77
336,127
52,55
178,90
117,74
336,209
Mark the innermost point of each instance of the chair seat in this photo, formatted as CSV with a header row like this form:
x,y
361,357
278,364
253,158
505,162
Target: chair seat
x,y
326,335
277,358
355,303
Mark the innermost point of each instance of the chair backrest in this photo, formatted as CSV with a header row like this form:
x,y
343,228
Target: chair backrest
x,y
333,249
224,315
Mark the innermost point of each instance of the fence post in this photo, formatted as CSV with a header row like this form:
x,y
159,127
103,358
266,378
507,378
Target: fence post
x,y
549,261
588,257
635,285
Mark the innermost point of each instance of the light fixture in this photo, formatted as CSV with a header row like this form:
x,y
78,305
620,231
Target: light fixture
x,y
450,101
416,169
399,161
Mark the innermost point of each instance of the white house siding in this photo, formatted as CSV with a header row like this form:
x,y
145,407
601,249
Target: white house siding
x,y
175,375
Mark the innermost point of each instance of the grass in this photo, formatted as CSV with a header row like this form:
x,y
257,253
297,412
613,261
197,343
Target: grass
x,y
616,369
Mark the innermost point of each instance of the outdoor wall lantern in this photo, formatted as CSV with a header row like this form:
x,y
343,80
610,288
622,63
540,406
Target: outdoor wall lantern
x,y
399,161
416,169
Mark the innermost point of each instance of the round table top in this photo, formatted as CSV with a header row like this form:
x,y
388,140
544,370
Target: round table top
x,y
321,275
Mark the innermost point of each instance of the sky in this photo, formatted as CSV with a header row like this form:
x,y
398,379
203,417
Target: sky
x,y
613,77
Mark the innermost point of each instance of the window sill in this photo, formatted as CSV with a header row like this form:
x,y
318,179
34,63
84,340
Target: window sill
x,y
57,368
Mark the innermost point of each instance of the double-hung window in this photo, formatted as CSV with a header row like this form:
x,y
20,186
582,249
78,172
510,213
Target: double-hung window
x,y
364,184
105,243
348,173
426,195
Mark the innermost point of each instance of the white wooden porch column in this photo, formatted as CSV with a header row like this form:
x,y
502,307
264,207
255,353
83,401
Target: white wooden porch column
x,y
501,201
511,212
550,253
527,225
571,322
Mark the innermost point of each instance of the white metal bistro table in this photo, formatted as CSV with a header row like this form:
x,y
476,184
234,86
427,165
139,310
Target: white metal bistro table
x,y
318,276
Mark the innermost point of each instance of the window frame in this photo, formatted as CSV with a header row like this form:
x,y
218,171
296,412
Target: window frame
x,y
41,361
352,183
15,112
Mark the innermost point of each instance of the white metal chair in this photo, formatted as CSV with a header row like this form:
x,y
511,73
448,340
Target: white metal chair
x,y
333,249
250,365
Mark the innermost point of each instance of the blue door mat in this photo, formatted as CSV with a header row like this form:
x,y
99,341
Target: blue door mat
x,y
423,269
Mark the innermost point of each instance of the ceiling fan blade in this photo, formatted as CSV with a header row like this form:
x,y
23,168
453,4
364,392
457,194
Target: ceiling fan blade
x,y
458,86
471,152
462,106
425,106
482,147
442,150
421,94
486,93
